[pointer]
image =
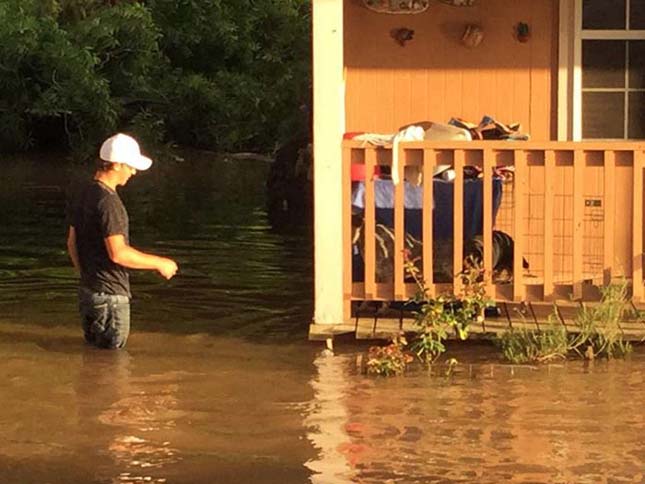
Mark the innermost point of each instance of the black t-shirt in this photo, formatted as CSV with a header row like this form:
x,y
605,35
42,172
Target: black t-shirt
x,y
97,213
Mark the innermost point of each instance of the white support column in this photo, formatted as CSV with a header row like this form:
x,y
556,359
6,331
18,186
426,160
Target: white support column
x,y
329,125
565,69
576,110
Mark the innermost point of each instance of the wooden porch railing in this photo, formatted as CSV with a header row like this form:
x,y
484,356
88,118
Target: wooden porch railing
x,y
574,211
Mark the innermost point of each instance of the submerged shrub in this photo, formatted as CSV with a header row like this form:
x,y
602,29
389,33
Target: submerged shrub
x,y
388,360
440,316
526,346
599,325
597,333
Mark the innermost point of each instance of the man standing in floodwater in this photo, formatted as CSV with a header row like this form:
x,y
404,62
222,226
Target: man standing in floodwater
x,y
98,245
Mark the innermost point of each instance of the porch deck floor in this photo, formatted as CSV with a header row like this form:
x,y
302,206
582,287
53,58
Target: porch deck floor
x,y
383,324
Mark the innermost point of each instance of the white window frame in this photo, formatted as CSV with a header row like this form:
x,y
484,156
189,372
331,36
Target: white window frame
x,y
570,66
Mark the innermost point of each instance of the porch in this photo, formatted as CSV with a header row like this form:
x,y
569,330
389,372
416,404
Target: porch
x,y
573,207
574,211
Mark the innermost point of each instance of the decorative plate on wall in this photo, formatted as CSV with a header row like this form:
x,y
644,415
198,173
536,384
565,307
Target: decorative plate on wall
x,y
397,6
459,3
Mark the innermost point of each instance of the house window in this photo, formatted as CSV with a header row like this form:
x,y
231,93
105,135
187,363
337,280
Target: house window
x,y
611,77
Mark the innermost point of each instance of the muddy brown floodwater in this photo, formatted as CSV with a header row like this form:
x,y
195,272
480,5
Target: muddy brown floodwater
x,y
218,383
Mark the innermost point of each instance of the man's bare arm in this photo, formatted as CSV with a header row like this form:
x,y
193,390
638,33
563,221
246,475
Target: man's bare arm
x,y
127,256
71,248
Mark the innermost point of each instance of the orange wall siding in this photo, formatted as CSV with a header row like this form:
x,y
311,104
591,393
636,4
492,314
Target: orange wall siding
x,y
434,77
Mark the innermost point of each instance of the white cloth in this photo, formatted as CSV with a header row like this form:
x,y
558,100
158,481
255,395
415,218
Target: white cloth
x,y
376,139
437,131
446,132
411,133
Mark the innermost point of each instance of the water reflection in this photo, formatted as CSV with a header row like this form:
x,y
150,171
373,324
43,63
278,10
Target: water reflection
x,y
179,408
327,420
489,424
132,418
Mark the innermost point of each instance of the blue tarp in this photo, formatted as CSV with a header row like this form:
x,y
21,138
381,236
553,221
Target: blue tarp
x,y
442,218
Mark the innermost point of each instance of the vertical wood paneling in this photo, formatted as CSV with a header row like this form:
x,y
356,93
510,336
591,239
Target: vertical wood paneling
x,y
501,77
505,82
381,84
521,187
637,229
489,163
399,233
487,88
403,98
369,217
458,218
543,22
470,93
609,214
578,213
549,196
520,106
354,102
419,95
428,204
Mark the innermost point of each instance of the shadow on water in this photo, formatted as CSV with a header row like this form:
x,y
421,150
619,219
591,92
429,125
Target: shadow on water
x,y
237,276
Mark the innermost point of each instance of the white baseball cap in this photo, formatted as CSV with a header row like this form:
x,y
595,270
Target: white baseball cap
x,y
122,148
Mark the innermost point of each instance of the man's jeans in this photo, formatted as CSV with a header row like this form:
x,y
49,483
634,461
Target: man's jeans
x,y
105,318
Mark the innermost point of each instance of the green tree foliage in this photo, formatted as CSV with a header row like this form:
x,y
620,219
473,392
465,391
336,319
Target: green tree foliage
x,y
246,62
45,76
219,74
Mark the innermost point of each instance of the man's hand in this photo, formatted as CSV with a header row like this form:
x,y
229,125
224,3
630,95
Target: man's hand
x,y
127,256
167,267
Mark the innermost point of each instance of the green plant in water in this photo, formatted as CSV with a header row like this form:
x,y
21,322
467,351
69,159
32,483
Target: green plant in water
x,y
598,333
599,326
526,346
441,315
388,360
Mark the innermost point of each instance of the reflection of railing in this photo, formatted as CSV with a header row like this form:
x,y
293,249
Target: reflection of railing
x,y
574,210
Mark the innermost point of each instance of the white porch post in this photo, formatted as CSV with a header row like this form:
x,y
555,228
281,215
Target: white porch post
x,y
329,121
566,31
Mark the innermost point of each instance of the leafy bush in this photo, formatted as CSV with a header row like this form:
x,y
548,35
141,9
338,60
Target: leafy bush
x,y
388,360
441,315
